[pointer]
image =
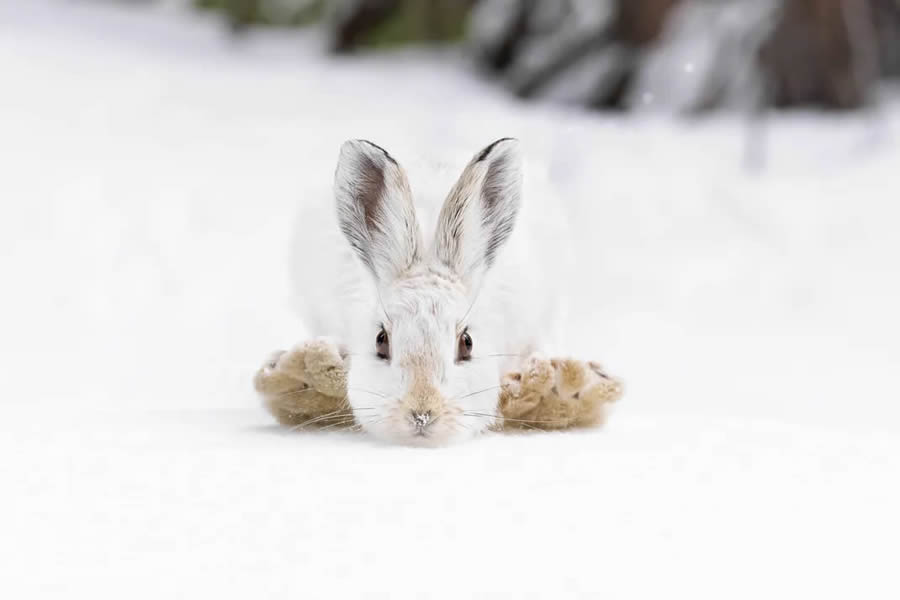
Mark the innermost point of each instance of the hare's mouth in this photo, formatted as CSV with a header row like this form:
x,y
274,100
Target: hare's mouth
x,y
426,431
419,427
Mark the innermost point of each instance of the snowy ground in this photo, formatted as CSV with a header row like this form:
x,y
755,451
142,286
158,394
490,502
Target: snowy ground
x,y
151,173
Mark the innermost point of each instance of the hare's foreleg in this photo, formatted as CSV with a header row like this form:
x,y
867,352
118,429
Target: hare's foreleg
x,y
306,386
556,394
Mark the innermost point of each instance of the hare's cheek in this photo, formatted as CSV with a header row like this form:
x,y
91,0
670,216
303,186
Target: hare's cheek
x,y
372,382
477,387
379,427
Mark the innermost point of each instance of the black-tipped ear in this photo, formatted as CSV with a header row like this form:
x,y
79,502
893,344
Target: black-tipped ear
x,y
479,214
375,209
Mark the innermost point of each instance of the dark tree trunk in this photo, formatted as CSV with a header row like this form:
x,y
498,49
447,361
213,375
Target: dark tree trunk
x,y
639,23
424,20
501,55
886,14
636,24
821,53
351,27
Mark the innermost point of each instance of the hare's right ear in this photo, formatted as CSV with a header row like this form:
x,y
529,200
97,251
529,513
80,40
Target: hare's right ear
x,y
375,209
480,212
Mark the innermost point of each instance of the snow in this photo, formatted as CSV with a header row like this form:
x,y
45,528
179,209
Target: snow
x,y
742,281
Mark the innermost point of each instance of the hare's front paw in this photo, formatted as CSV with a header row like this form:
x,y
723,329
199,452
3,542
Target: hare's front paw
x,y
556,394
305,385
319,363
522,391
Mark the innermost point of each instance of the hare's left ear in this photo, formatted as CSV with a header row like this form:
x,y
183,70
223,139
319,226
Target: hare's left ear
x,y
479,214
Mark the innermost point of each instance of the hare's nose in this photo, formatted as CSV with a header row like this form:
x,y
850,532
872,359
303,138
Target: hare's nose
x,y
421,419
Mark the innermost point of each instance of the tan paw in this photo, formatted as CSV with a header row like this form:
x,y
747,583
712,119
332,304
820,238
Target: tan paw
x,y
318,363
557,394
305,385
522,391
270,379
537,374
599,391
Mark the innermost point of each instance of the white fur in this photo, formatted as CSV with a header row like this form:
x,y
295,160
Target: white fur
x,y
425,281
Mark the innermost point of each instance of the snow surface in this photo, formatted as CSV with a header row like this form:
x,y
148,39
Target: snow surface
x,y
151,172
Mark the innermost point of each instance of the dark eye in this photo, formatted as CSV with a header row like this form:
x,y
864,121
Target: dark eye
x,y
383,345
464,347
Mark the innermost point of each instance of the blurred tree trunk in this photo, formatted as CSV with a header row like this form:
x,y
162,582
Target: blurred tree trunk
x,y
241,13
635,25
353,20
886,14
826,53
641,22
822,53
498,54
359,22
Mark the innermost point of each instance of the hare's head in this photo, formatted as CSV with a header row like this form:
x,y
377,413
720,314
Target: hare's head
x,y
421,370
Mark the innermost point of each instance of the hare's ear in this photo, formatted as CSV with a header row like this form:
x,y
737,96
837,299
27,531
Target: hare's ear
x,y
375,209
479,214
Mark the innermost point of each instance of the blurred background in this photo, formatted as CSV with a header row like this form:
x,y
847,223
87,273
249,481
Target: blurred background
x,y
759,53
730,168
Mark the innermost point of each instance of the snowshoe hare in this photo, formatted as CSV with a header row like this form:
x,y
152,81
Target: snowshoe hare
x,y
430,334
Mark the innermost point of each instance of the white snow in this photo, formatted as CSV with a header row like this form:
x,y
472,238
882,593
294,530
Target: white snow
x,y
152,169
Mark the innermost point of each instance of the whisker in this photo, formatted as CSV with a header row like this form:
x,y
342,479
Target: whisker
x,y
486,415
295,392
354,428
493,387
472,304
352,352
345,422
341,412
356,389
372,422
496,416
383,309
331,415
520,422
461,424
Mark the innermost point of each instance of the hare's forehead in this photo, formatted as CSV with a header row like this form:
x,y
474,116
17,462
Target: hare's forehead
x,y
427,300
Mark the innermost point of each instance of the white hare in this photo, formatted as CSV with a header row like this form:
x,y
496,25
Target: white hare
x,y
431,305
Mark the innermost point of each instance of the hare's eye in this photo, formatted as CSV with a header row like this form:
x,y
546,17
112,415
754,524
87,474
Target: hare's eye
x,y
383,345
464,347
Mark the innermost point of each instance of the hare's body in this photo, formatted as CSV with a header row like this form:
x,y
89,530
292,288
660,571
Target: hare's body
x,y
427,268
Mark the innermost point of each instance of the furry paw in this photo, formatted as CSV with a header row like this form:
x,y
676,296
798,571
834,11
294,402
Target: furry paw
x,y
556,394
306,385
